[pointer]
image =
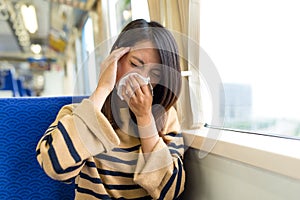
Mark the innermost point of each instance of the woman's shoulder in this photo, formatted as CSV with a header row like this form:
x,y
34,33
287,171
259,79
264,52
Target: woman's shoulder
x,y
67,109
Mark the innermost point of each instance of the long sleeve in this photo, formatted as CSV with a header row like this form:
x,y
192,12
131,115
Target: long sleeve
x,y
79,132
162,175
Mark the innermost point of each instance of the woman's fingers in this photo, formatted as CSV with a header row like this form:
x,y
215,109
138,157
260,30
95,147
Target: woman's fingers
x,y
127,91
136,86
118,53
136,92
139,102
109,66
144,88
114,56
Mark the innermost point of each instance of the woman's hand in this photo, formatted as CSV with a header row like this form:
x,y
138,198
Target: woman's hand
x,y
139,99
107,78
109,66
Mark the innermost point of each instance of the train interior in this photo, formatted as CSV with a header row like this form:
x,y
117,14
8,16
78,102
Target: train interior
x,y
50,53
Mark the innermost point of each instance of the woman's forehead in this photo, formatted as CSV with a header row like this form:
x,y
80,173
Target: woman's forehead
x,y
146,52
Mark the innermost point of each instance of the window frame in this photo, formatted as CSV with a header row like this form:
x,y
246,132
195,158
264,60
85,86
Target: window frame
x,y
275,154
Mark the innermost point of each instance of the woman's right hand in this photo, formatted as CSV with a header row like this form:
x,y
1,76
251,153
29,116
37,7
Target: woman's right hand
x,y
107,78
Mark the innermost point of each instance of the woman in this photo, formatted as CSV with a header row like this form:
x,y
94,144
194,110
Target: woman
x,y
130,148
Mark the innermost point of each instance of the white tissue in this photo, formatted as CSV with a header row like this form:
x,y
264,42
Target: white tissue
x,y
122,81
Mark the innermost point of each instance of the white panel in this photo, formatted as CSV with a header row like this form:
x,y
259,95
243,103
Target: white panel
x,y
215,178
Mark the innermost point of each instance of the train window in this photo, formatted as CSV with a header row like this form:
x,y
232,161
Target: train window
x,y
254,46
88,56
119,15
92,50
122,12
140,9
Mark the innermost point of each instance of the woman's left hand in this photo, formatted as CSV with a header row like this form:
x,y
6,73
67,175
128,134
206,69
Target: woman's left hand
x,y
138,97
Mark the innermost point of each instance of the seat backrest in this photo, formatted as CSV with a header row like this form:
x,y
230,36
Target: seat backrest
x,y
23,121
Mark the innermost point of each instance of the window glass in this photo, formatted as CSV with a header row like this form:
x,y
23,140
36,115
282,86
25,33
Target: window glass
x,y
119,15
88,56
255,46
140,10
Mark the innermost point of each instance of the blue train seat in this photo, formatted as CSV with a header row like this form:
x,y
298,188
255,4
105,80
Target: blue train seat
x,y
22,123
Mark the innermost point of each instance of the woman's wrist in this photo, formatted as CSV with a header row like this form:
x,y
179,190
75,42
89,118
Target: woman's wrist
x,y
99,96
148,134
144,120
146,126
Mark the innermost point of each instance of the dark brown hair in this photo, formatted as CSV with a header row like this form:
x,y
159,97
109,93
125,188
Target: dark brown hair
x,y
167,91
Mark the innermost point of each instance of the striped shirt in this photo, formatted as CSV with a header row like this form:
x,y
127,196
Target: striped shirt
x,y
81,145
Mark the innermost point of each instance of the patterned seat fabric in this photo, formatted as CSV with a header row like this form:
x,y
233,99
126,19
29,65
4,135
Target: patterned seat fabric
x,y
22,123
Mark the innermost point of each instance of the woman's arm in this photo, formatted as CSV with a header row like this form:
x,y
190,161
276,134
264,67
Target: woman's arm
x,y
161,172
159,168
79,132
107,79
148,133
139,99
82,131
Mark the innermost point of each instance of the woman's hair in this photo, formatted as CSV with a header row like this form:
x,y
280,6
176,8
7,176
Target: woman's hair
x,y
167,91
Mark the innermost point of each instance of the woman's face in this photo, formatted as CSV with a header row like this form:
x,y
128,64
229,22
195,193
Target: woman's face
x,y
144,59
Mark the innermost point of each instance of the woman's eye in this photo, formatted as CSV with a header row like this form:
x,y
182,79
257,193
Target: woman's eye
x,y
135,65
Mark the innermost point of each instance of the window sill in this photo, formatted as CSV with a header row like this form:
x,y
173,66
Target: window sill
x,y
278,155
